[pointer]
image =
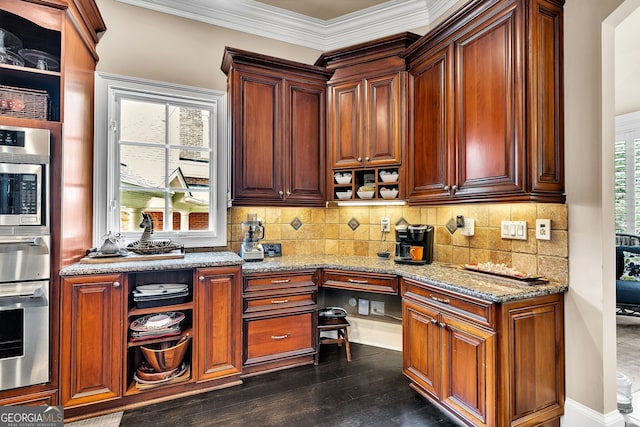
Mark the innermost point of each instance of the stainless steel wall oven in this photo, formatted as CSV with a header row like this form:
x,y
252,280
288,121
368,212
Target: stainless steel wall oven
x,y
25,256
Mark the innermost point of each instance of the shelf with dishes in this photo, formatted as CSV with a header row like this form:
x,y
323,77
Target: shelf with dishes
x,y
367,184
160,329
30,64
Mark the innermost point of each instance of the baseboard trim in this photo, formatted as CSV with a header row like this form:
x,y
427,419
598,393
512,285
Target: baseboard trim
x,y
579,415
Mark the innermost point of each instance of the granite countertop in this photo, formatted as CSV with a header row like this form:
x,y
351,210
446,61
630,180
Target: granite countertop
x,y
190,260
445,276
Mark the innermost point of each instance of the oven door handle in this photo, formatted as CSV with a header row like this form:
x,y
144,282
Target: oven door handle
x,y
36,241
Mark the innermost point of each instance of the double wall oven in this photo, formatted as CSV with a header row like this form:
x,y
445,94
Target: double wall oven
x,y
25,256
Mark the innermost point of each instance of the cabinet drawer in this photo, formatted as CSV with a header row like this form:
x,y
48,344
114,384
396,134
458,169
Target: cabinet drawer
x,y
367,282
279,302
474,309
279,337
277,282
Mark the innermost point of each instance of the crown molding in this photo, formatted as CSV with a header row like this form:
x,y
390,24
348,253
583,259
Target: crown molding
x,y
268,21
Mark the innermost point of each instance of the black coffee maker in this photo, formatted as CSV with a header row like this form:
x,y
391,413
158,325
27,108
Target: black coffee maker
x,y
414,244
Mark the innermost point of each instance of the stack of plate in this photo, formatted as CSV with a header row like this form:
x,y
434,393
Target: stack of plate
x,y
156,326
156,295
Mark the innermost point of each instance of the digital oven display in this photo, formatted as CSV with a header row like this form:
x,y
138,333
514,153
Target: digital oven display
x,y
12,138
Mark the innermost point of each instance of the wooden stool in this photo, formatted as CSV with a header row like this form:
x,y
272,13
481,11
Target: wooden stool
x,y
333,324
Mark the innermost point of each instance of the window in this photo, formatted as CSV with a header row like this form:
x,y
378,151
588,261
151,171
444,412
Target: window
x,y
627,173
160,149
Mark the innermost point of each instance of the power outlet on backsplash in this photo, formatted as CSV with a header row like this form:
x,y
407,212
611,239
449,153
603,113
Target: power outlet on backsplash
x,y
272,249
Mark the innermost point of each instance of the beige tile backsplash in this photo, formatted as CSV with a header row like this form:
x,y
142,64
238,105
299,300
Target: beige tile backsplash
x,y
326,231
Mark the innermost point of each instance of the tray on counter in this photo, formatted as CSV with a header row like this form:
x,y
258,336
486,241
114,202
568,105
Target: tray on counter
x,y
132,257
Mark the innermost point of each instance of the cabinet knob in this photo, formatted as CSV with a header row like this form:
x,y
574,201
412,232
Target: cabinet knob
x,y
281,193
434,321
202,278
367,159
116,284
446,188
454,188
288,193
442,324
359,159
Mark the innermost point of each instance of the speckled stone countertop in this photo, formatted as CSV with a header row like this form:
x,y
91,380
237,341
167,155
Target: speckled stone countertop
x,y
190,260
486,287
483,286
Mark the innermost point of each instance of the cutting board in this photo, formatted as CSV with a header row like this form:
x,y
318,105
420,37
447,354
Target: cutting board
x,y
132,257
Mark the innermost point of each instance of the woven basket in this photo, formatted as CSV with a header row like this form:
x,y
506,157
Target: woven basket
x,y
35,102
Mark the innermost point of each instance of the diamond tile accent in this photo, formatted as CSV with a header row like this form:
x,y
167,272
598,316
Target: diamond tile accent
x,y
296,223
353,224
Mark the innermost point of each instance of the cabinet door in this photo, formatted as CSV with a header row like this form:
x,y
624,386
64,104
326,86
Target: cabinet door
x,y
489,121
218,317
383,130
421,347
468,370
345,124
429,159
257,137
545,108
304,147
92,335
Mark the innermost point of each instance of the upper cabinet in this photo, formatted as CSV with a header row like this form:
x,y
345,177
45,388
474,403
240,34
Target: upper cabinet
x,y
485,106
277,118
366,106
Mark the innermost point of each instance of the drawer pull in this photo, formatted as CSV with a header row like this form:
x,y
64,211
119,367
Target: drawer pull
x,y
442,300
279,301
281,281
280,337
362,282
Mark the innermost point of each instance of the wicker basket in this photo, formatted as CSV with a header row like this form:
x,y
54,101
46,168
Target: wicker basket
x,y
12,99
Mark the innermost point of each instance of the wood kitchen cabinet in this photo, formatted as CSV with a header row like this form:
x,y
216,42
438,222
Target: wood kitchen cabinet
x,y
277,117
279,320
218,319
366,112
486,363
92,339
69,30
485,106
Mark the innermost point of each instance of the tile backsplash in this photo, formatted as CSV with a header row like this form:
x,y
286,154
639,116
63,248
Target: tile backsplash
x,y
356,231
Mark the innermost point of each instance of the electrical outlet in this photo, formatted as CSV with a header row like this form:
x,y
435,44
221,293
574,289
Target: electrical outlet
x,y
385,225
377,307
363,307
543,229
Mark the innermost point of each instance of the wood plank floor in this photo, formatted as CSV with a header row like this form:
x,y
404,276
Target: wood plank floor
x,y
368,391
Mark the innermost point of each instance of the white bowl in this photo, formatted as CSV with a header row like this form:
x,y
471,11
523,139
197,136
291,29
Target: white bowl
x,y
390,193
342,195
388,176
343,178
365,194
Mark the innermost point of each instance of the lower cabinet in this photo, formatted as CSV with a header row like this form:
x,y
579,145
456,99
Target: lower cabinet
x,y
487,364
104,336
92,339
279,321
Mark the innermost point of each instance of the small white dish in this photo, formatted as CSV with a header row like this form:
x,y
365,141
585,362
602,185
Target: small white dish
x,y
365,194
344,195
388,176
343,178
388,193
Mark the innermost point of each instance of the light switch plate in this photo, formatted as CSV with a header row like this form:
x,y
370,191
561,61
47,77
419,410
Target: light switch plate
x,y
513,230
469,227
363,306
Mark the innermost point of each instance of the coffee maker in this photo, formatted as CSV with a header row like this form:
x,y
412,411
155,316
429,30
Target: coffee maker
x,y
410,241
252,232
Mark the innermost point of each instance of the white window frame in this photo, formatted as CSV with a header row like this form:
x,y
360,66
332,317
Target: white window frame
x,y
106,168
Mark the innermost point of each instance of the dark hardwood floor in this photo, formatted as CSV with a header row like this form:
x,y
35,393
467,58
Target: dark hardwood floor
x,y
368,391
